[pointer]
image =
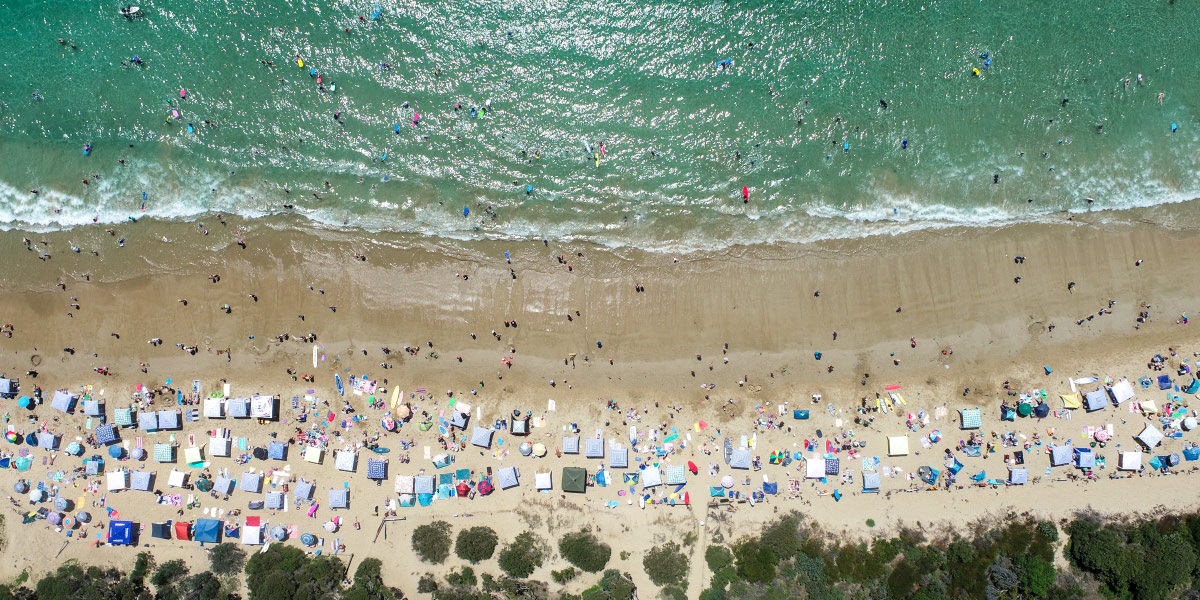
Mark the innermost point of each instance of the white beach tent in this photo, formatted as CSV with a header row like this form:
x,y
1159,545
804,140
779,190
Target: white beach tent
x,y
1150,437
1060,455
898,445
214,408
263,407
404,484
346,460
814,467
1122,391
1095,400
740,459
313,454
1018,476
543,481
117,480
871,482
220,446
1130,461
252,535
482,437
593,448
506,478
177,478
651,476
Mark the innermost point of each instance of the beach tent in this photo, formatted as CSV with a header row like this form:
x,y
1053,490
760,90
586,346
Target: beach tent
x,y
1130,461
424,484
832,466
142,481
123,417
206,531
164,453
404,484
543,481
507,478
1018,476
47,440
117,480
304,490
740,459
339,498
519,425
347,460
651,476
1095,400
120,533
814,468
376,468
8,388
168,420
870,482
223,485
251,482
277,450
93,466
192,455
63,401
220,446
619,459
1085,458
459,419
177,478
770,487
160,531
482,437
675,475
1122,391
238,408
313,454
148,421
1072,401
183,531
1150,437
214,408
264,407
574,479
570,445
273,501
593,448
971,418
898,445
1164,382
92,408
1060,455
106,434
252,532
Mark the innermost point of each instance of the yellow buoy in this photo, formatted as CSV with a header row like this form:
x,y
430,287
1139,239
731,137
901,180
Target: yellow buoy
x,y
299,62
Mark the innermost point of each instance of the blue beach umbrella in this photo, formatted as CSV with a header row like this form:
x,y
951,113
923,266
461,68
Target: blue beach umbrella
x,y
21,487
31,439
115,451
61,503
24,402
83,516
75,449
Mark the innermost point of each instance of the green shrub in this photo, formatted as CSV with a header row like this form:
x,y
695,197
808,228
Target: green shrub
x,y
431,542
755,562
522,556
427,584
475,544
464,578
718,557
783,537
227,559
1048,531
564,576
673,593
168,573
583,550
665,564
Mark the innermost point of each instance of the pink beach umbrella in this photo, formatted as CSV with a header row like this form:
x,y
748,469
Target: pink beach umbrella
x,y
1102,435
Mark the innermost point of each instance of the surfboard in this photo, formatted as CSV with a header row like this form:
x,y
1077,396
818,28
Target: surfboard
x,y
337,378
395,398
314,357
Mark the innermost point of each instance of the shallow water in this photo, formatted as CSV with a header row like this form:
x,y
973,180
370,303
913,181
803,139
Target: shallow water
x,y
682,136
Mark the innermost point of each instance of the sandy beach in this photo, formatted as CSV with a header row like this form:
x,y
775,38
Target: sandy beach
x,y
957,318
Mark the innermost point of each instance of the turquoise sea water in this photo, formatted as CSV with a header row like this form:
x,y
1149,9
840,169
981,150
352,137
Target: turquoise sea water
x,y
682,135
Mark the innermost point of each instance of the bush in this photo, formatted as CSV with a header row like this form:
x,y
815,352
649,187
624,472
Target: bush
x,y
583,550
476,544
168,573
665,564
431,542
718,557
1048,531
522,556
141,566
755,562
783,537
227,559
368,583
674,593
427,584
564,576
464,578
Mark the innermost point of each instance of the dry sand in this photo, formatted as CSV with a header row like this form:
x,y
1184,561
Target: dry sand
x,y
956,289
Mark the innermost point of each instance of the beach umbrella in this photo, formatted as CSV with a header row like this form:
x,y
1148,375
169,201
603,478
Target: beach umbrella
x,y
1173,460
12,437
278,533
260,453
935,436
31,439
37,496
727,481
204,485
330,526
21,487
403,412
24,402
54,518
526,449
83,516
74,448
1042,410
1024,409
61,503
308,539
387,424
137,454
116,451
1189,423
539,449
1101,435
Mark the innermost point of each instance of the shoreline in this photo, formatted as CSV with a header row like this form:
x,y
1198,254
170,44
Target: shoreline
x,y
956,289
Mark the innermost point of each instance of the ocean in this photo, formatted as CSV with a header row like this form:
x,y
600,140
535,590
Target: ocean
x,y
840,119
